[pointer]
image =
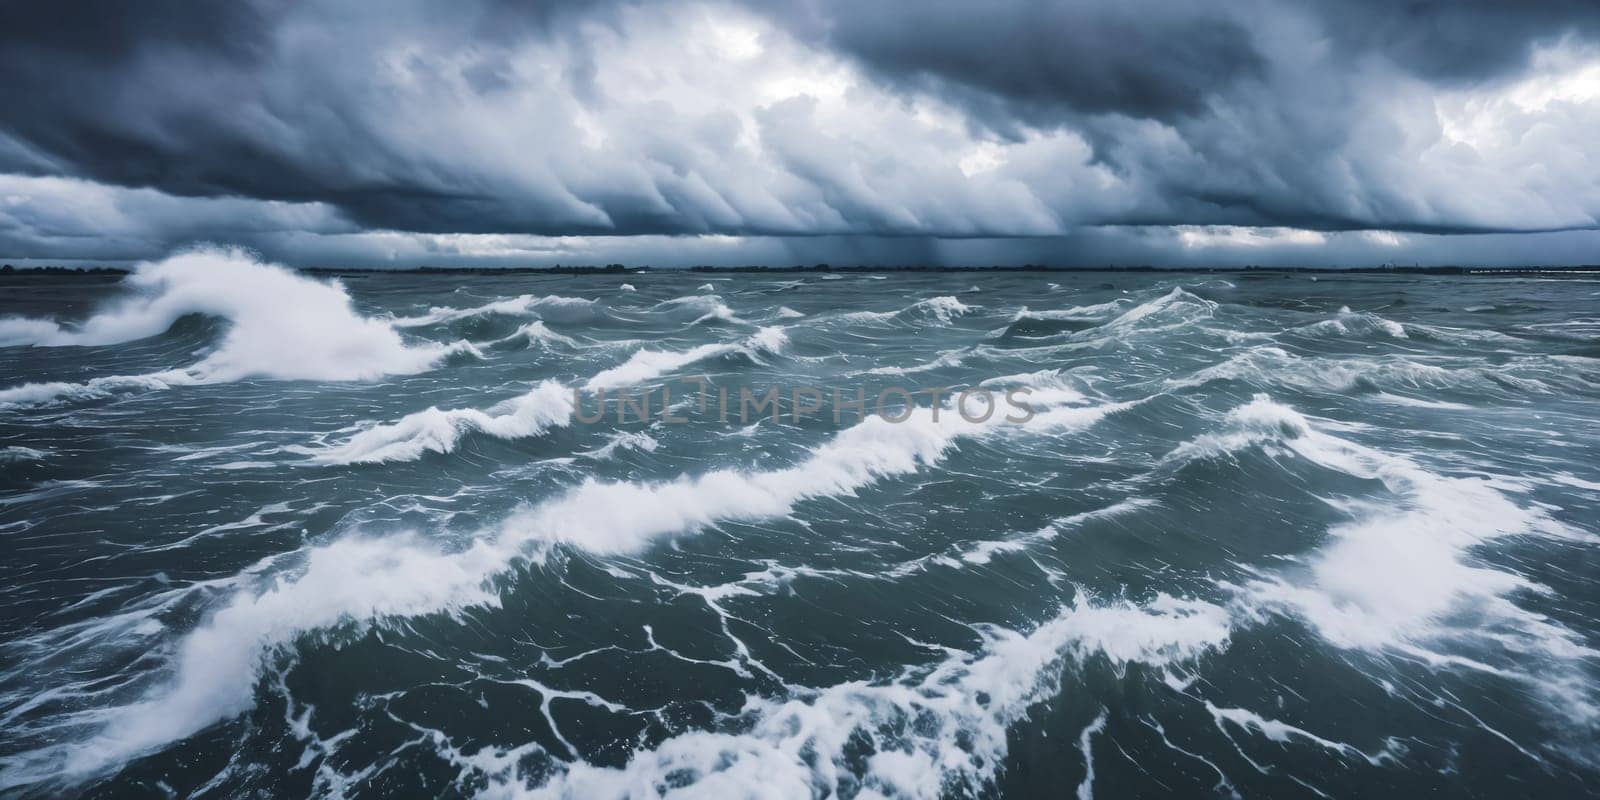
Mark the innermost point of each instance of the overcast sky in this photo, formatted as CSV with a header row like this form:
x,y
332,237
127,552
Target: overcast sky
x,y
1317,132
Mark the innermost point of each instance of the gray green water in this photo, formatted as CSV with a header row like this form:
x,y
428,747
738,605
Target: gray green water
x,y
1263,535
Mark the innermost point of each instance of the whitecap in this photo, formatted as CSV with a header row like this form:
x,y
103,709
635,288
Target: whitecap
x,y
1398,576
853,738
521,305
355,580
1273,366
15,331
283,326
537,333
434,430
1352,323
942,309
646,365
625,440
709,306
1046,387
1179,304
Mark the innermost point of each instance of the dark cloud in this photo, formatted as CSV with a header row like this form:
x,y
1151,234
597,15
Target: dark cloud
x,y
1455,40
1163,59
257,99
120,91
1099,56
110,33
956,121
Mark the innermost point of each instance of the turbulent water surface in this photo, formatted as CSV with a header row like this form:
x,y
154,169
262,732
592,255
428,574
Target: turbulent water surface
x,y
273,535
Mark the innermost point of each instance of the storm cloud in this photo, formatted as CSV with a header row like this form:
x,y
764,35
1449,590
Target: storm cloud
x,y
1082,132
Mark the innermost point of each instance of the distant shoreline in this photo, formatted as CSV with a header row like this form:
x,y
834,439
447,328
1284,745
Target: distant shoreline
x,y
620,269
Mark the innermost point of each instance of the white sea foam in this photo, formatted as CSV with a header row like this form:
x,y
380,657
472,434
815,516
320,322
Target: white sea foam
x,y
949,358
282,326
1273,366
15,454
1414,402
858,738
646,365
1047,387
536,333
1568,479
1173,311
624,517
1282,732
942,310
15,331
625,440
1083,314
1096,311
214,668
434,430
1473,337
708,306
1086,747
1175,308
521,305
355,580
1393,572
1349,323
47,392
985,551
1399,576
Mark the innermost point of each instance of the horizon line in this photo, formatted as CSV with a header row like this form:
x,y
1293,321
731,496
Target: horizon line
x,y
623,269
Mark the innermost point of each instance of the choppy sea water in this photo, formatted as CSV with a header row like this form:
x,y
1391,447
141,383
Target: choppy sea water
x,y
267,534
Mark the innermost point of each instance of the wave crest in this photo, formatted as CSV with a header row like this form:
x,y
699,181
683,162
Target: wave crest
x,y
282,326
521,305
646,365
925,733
434,430
941,310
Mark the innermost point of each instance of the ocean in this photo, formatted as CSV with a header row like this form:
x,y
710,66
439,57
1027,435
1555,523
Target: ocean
x,y
798,534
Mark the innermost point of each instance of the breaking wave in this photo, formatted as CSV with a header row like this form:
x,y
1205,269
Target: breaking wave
x,y
1399,576
927,733
355,580
521,305
941,310
537,334
1225,526
546,406
704,307
1173,309
1274,366
1350,323
282,326
647,365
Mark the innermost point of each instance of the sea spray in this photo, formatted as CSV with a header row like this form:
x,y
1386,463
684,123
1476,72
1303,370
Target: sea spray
x,y
281,326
